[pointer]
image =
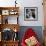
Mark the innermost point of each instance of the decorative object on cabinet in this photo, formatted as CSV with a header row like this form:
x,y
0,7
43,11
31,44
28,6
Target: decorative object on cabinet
x,y
5,12
13,12
30,13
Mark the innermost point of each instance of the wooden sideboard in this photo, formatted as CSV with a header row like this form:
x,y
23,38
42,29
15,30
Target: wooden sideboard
x,y
6,24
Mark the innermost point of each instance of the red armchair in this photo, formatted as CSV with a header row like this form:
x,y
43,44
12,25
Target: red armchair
x,y
28,34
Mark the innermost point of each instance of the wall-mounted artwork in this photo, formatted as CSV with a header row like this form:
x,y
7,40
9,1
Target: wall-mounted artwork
x,y
31,13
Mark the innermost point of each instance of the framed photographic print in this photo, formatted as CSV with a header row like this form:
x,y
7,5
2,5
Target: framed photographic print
x,y
5,12
31,13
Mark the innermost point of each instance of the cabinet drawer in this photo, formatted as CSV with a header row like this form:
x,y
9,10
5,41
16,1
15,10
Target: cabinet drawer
x,y
10,44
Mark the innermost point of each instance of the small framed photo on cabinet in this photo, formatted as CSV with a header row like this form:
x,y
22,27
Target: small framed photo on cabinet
x,y
30,13
5,12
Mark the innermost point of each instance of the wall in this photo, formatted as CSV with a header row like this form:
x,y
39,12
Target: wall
x,y
31,3
26,3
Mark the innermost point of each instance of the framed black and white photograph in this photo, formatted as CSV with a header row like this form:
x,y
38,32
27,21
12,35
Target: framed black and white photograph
x,y
31,13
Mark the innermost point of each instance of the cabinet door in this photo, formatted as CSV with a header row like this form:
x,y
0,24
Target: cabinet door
x,y
12,19
9,19
10,44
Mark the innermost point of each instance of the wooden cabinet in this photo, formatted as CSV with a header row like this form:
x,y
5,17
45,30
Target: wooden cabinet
x,y
9,23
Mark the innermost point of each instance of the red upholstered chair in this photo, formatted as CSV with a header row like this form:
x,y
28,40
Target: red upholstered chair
x,y
29,33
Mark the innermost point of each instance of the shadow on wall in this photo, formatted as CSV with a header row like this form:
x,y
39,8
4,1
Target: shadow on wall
x,y
37,29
